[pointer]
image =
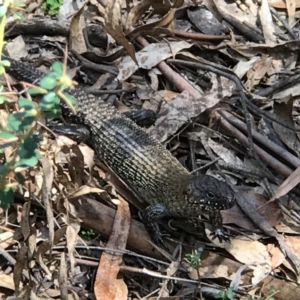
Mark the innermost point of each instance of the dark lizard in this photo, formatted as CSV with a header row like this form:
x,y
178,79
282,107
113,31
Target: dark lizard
x,y
146,167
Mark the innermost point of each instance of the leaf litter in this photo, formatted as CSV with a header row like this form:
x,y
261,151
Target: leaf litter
x,y
70,204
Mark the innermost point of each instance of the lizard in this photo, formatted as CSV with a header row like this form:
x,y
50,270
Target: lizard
x,y
141,162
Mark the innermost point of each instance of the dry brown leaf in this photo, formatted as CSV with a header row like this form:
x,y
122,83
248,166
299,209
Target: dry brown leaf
x,y
277,256
267,23
254,254
242,67
258,71
77,42
178,111
7,282
20,265
6,238
113,25
48,176
107,285
45,246
283,109
214,266
234,11
135,14
271,212
76,165
171,270
156,26
149,57
85,189
287,185
281,4
63,277
100,8
226,154
32,242
291,9
71,234
25,226
17,48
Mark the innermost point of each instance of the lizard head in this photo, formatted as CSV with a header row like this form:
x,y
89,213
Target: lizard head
x,y
213,194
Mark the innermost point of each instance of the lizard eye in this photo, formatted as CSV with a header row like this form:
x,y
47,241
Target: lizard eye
x,y
210,195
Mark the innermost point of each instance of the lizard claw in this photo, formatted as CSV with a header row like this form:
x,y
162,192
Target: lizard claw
x,y
158,240
221,235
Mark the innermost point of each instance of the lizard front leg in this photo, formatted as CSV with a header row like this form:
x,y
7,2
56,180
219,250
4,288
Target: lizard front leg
x,y
150,216
218,230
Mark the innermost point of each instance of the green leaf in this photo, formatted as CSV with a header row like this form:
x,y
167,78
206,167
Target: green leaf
x,y
3,99
6,135
14,121
57,67
48,82
21,120
18,15
27,162
19,178
50,97
3,10
53,113
29,147
6,197
28,152
35,91
7,139
26,103
70,98
5,63
19,4
230,293
219,295
2,69
3,169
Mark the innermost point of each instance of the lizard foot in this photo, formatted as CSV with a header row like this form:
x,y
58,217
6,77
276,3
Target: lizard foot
x,y
221,235
158,240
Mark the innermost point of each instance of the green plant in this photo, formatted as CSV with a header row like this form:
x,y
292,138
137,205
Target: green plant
x,y
52,6
21,124
194,258
88,234
226,294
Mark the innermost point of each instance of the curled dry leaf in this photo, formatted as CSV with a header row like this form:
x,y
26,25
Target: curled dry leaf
x,y
287,185
85,189
76,32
